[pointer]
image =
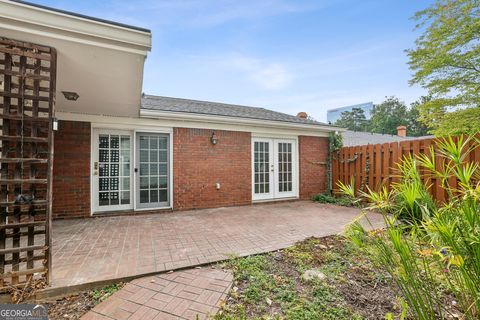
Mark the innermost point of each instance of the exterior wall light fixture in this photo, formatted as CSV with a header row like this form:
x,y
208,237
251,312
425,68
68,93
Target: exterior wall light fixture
x,y
214,138
71,96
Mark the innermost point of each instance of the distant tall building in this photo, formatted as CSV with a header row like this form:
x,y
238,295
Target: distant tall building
x,y
334,114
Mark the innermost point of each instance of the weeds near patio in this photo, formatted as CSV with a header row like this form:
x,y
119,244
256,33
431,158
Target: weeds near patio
x,y
270,286
76,305
101,294
326,198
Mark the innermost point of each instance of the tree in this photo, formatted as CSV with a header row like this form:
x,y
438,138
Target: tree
x,y
388,115
415,127
352,120
446,61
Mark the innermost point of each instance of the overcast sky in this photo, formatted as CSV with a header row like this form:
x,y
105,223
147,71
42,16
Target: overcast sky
x,y
288,56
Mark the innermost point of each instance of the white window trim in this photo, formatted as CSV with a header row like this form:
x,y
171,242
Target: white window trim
x,y
133,130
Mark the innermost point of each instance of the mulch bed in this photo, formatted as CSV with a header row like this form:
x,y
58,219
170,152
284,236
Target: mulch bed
x,y
71,307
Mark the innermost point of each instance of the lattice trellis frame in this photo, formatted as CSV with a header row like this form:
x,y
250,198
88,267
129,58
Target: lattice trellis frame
x,y
27,100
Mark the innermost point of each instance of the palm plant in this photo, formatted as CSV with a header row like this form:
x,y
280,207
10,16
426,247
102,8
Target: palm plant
x,y
430,249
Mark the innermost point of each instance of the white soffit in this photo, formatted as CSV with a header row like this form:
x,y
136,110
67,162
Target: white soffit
x,y
47,22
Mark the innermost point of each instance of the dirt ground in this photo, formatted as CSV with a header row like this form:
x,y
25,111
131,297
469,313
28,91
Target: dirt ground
x,y
352,289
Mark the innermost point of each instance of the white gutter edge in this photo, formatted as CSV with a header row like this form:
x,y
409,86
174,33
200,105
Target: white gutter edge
x,y
156,114
68,25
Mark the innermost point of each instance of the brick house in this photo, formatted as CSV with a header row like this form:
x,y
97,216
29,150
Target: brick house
x,y
118,151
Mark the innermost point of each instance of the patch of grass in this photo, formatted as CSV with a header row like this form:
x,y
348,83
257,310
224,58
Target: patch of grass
x,y
270,287
303,254
326,198
324,303
101,294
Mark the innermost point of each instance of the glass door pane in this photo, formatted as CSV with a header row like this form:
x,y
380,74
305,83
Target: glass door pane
x,y
113,163
153,186
262,169
285,182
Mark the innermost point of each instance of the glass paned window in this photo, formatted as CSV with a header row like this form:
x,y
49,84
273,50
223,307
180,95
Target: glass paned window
x,y
285,183
153,173
261,166
114,169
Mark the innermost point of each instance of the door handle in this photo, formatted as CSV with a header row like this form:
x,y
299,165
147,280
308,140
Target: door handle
x,y
135,170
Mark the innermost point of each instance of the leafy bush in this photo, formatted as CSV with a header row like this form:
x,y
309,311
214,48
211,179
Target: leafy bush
x,y
326,198
430,250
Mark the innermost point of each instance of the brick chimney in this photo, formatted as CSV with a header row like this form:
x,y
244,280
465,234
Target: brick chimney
x,y
401,131
302,115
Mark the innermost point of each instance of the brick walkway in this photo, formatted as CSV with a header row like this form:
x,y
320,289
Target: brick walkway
x,y
90,250
189,294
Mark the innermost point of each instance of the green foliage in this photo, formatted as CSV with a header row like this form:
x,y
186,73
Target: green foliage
x,y
415,127
335,141
326,198
446,61
101,294
462,121
262,279
348,189
438,251
388,115
353,120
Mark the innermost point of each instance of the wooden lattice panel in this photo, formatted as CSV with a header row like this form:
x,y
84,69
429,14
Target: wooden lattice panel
x,y
27,98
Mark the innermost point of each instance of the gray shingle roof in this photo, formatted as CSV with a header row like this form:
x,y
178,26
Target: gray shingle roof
x,y
356,138
150,102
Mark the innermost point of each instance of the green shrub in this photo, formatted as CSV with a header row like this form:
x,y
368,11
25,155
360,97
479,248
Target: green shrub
x,y
326,198
430,250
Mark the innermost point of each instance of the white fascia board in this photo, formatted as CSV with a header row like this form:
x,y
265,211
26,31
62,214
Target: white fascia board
x,y
148,123
41,21
157,114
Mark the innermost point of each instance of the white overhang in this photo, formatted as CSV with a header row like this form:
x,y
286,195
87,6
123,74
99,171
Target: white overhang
x,y
40,20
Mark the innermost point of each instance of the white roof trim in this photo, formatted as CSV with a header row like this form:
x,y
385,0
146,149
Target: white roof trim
x,y
158,114
23,17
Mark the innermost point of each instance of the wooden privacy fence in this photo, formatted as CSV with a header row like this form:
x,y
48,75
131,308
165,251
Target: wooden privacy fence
x,y
374,165
27,98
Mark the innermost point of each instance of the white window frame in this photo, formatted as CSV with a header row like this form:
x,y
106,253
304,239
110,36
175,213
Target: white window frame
x,y
96,177
133,131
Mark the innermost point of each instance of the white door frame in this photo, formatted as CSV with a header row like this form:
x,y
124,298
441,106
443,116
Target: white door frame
x,y
274,185
149,206
270,194
95,171
285,194
115,127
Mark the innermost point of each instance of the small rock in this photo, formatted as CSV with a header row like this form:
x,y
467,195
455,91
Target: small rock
x,y
171,271
235,289
152,281
269,302
322,246
313,274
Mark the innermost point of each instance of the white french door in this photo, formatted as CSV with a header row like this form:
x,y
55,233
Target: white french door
x,y
112,170
274,163
130,170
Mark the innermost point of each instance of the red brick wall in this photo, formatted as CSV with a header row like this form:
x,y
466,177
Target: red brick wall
x,y
71,170
198,165
313,154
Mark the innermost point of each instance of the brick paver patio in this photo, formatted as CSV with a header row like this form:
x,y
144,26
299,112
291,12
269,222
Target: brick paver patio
x,y
189,294
90,250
